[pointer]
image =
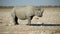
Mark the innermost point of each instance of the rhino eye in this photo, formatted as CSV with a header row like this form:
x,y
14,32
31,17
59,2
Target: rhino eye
x,y
38,9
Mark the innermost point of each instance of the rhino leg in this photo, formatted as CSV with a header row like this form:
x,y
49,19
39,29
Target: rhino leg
x,y
29,20
16,20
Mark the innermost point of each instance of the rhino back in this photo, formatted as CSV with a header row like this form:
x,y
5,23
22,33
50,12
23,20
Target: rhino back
x,y
24,12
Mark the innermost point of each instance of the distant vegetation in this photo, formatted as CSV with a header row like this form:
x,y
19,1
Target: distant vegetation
x,y
24,6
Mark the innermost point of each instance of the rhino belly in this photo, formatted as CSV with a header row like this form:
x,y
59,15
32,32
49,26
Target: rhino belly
x,y
21,16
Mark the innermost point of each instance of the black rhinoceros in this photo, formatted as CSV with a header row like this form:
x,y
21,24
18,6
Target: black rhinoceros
x,y
27,12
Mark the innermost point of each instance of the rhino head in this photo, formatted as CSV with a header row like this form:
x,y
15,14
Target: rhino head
x,y
39,12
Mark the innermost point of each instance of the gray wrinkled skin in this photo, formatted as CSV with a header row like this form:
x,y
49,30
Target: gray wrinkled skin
x,y
27,12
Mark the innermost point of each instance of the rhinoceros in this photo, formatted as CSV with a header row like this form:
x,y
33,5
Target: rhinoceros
x,y
27,12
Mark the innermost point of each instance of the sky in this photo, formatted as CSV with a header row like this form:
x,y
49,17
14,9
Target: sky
x,y
29,2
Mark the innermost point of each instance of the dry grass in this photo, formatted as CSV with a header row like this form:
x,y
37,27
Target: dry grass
x,y
50,16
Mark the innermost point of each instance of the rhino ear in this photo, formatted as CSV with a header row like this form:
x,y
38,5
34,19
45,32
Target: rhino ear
x,y
42,10
35,8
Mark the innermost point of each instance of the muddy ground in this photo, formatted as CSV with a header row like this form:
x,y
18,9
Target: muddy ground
x,y
50,16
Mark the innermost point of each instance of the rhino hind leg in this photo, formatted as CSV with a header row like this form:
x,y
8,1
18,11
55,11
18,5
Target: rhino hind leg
x,y
16,20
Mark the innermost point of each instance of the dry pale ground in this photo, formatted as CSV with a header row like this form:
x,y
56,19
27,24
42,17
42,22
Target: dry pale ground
x,y
50,16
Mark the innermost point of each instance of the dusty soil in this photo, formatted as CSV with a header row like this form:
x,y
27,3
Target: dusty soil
x,y
50,16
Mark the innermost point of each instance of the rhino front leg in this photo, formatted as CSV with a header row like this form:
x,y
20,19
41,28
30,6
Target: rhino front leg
x,y
29,20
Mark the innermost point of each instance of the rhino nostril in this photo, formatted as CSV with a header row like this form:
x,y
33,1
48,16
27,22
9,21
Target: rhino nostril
x,y
37,18
40,16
